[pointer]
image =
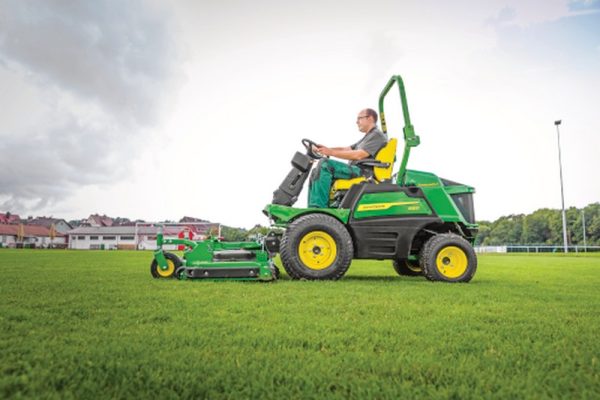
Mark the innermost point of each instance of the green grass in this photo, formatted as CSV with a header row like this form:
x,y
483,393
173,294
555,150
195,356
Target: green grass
x,y
85,324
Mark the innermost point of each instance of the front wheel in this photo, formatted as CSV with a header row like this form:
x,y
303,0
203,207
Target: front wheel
x,y
173,263
316,246
448,258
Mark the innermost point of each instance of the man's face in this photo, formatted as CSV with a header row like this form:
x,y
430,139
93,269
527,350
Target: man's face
x,y
364,122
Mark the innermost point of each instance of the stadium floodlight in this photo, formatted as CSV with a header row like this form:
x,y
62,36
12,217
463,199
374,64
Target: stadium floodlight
x,y
562,193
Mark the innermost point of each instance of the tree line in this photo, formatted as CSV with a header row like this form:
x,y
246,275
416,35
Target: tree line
x,y
542,227
232,234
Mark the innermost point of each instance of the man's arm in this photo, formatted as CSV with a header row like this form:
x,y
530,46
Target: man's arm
x,y
340,148
345,153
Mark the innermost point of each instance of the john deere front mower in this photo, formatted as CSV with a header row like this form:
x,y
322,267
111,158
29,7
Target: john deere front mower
x,y
423,223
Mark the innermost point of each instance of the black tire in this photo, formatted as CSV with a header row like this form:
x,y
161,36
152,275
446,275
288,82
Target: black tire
x,y
174,263
276,272
449,258
315,247
180,273
406,267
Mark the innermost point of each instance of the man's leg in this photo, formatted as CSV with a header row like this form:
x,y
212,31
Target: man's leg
x,y
322,177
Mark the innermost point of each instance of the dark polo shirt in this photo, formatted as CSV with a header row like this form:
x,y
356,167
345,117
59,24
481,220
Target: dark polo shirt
x,y
372,142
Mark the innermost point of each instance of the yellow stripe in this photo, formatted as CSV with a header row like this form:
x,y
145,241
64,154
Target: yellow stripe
x,y
384,206
427,184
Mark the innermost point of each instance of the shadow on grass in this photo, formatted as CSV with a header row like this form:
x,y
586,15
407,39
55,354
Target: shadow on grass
x,y
377,278
403,279
362,278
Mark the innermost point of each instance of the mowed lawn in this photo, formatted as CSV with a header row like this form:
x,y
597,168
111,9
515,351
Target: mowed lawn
x,y
91,324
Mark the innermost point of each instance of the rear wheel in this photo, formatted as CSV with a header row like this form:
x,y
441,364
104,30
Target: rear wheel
x,y
316,246
173,263
449,258
407,267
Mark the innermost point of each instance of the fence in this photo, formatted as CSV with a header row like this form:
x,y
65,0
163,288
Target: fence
x,y
536,249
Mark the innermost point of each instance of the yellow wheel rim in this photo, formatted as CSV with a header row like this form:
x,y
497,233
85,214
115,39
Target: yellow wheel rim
x,y
452,262
317,250
412,267
166,273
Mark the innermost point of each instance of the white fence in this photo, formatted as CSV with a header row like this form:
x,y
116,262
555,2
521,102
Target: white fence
x,y
536,249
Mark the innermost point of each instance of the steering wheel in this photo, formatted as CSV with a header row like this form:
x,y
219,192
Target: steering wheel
x,y
308,144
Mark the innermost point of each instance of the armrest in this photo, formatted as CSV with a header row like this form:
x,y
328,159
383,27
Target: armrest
x,y
371,162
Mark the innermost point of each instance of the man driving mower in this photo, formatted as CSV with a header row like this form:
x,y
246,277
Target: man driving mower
x,y
327,170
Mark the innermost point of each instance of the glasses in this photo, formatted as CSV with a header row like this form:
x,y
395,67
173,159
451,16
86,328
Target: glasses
x,y
361,117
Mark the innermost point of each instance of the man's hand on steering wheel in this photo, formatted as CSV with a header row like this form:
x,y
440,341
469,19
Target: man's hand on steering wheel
x,y
324,150
312,149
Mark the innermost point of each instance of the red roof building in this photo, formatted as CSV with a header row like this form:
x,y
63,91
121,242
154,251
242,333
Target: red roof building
x,y
36,236
99,220
8,218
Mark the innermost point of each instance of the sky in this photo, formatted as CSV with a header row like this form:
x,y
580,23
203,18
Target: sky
x,y
157,110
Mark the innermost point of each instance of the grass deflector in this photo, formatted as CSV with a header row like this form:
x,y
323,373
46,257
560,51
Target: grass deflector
x,y
424,223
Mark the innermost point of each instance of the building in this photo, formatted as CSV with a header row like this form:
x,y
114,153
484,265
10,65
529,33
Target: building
x,y
8,218
30,236
98,220
60,225
110,238
140,237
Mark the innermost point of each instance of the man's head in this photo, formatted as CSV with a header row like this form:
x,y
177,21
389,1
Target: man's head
x,y
366,120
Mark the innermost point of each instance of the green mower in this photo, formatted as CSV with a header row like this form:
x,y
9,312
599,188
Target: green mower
x,y
423,223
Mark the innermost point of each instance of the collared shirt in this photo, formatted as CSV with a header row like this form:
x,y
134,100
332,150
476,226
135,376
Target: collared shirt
x,y
372,142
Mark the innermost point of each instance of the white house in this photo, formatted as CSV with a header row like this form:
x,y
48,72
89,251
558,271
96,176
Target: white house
x,y
131,237
30,236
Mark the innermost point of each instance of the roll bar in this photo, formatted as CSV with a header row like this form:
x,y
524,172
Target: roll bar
x,y
410,138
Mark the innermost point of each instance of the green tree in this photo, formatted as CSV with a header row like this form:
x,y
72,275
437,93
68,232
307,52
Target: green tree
x,y
506,230
536,227
543,226
258,230
485,229
231,234
592,224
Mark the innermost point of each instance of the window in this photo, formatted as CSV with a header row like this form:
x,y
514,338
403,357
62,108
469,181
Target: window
x,y
127,238
109,237
80,237
93,237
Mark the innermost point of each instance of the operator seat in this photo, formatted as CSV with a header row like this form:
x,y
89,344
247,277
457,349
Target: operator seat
x,y
382,164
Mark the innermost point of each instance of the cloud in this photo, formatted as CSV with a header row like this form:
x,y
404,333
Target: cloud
x,y
98,73
525,14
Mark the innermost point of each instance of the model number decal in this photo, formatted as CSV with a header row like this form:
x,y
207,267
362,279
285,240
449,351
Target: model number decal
x,y
385,206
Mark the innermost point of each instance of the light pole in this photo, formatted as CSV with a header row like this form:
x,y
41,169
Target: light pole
x,y
583,223
562,192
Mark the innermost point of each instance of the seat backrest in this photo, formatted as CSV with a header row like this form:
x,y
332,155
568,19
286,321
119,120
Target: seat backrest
x,y
387,154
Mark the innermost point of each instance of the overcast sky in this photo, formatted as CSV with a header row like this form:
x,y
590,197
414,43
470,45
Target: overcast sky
x,y
156,109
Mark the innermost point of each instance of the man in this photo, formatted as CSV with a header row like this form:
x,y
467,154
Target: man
x,y
327,169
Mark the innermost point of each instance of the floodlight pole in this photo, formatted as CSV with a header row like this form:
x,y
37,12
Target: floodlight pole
x,y
562,192
583,223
